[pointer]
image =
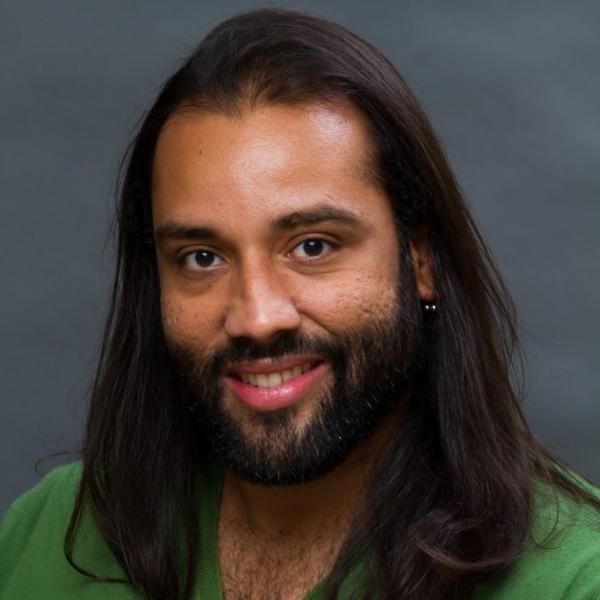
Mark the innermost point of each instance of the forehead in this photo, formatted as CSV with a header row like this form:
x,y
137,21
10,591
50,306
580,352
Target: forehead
x,y
270,158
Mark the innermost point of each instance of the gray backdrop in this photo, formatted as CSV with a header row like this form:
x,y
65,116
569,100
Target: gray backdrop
x,y
513,88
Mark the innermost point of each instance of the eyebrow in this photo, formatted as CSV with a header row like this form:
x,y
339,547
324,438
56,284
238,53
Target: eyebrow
x,y
316,215
173,230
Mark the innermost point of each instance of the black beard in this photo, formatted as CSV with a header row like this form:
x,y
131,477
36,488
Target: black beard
x,y
374,367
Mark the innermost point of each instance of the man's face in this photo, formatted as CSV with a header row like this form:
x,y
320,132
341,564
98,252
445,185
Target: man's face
x,y
279,272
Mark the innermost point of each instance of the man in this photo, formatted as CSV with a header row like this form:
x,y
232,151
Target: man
x,y
304,389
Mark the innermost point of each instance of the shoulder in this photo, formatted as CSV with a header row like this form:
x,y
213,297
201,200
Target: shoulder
x,y
35,521
562,559
32,537
54,494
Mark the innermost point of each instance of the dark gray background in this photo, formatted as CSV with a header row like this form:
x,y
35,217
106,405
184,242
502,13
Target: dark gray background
x,y
513,88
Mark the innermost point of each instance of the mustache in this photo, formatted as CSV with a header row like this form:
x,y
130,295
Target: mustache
x,y
284,344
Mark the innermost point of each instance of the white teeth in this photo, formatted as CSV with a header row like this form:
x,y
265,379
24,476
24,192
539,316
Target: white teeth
x,y
274,379
262,380
269,380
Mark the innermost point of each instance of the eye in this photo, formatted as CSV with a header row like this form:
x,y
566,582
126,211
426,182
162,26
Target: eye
x,y
201,260
312,248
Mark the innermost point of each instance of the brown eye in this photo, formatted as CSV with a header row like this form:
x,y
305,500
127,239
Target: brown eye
x,y
313,248
201,259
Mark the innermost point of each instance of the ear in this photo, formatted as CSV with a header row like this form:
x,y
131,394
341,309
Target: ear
x,y
419,253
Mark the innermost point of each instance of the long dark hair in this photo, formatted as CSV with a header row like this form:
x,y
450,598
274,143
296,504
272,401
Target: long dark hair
x,y
461,466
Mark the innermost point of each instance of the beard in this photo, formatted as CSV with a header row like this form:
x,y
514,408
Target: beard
x,y
374,367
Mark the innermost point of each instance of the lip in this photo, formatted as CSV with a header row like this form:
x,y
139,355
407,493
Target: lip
x,y
268,365
280,396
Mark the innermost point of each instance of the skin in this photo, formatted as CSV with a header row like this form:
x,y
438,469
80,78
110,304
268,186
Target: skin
x,y
236,176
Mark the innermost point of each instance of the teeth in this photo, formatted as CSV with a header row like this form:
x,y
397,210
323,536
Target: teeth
x,y
274,379
269,380
262,380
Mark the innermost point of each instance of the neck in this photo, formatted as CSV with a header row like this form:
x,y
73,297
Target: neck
x,y
307,510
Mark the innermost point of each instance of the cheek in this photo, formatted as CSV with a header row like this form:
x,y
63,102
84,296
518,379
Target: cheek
x,y
348,301
366,288
185,321
172,317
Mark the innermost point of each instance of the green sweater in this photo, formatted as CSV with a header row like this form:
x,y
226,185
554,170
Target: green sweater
x,y
33,565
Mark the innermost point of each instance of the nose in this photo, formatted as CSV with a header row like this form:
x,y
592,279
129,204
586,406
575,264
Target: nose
x,y
261,306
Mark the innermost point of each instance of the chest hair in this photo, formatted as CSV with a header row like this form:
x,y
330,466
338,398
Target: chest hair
x,y
258,566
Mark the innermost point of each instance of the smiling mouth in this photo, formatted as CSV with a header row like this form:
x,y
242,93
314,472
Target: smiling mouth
x,y
275,378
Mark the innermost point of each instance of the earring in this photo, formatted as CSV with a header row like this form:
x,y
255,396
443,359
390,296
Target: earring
x,y
429,307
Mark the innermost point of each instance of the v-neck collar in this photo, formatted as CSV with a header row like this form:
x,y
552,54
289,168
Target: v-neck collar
x,y
209,578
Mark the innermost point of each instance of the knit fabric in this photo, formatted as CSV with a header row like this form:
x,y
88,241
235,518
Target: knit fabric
x,y
33,563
